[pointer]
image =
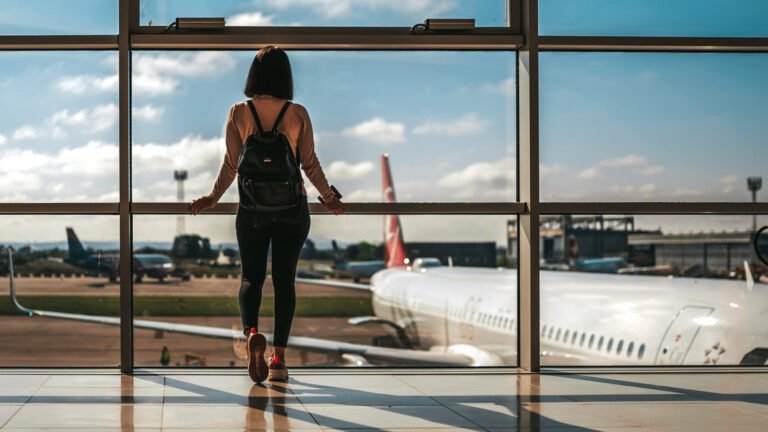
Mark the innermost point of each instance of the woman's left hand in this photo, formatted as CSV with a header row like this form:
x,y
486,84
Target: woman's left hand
x,y
201,204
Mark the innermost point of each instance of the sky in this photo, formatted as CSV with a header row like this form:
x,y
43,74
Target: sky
x,y
614,127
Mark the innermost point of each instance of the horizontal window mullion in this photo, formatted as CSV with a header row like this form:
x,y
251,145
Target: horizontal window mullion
x,y
320,38
655,44
57,42
59,208
354,208
681,208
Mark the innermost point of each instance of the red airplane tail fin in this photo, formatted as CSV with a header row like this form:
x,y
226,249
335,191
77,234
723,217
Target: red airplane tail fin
x,y
394,248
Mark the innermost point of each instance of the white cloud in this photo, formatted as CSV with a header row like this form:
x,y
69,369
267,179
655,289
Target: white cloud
x,y
629,160
340,170
148,113
90,120
688,192
506,88
26,132
648,190
28,174
344,8
595,171
251,19
190,153
3,140
96,119
590,173
378,131
80,84
652,170
363,195
153,74
482,179
547,170
465,125
728,184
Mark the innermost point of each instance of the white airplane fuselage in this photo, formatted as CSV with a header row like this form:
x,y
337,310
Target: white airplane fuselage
x,y
586,318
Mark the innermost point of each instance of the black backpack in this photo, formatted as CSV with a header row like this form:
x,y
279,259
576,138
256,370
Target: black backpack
x,y
268,178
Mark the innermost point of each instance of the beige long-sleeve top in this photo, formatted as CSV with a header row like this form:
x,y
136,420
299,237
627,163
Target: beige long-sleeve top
x,y
295,125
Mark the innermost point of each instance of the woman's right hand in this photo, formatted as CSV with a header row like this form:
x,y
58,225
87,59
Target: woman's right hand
x,y
334,204
201,204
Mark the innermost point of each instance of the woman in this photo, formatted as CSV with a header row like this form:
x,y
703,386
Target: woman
x,y
269,86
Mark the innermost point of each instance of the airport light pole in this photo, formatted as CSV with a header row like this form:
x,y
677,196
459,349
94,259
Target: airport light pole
x,y
180,176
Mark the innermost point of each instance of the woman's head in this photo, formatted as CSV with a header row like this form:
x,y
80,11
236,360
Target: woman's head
x,y
270,74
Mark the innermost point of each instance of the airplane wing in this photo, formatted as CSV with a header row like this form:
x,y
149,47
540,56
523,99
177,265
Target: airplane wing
x,y
335,284
368,353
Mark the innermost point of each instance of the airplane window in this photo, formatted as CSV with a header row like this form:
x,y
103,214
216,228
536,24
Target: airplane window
x,y
551,330
573,338
591,341
600,343
506,322
620,347
557,336
641,351
610,345
630,348
583,338
544,331
565,336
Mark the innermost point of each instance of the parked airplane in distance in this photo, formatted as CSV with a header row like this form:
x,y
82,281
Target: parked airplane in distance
x,y
355,270
455,316
156,266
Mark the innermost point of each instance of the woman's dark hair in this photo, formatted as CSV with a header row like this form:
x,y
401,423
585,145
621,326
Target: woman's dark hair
x,y
270,74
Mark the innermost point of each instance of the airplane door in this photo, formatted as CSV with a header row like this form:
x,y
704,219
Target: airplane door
x,y
680,334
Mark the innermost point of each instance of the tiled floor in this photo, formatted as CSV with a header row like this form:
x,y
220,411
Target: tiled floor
x,y
354,401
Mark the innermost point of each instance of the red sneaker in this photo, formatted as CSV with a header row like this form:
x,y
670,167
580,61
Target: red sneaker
x,y
257,366
278,371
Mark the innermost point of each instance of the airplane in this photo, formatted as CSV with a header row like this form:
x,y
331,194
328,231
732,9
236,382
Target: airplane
x,y
355,270
155,266
458,316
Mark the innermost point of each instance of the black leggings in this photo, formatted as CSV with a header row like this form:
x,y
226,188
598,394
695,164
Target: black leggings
x,y
287,235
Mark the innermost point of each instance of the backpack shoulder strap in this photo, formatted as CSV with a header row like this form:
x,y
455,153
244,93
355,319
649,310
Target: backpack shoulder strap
x,y
280,116
255,116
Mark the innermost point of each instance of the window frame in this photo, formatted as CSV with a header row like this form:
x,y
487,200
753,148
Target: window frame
x,y
521,36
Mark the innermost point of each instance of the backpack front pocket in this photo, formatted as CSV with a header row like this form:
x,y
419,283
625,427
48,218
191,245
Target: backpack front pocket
x,y
271,193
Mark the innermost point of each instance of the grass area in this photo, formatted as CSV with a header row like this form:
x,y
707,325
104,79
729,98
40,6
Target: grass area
x,y
188,306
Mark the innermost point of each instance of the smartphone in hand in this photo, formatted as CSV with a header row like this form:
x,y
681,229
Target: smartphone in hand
x,y
335,192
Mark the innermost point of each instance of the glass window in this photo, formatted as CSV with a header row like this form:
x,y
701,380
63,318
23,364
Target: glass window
x,y
58,131
359,13
656,280
626,126
581,341
65,264
194,278
79,17
591,341
742,18
573,338
450,136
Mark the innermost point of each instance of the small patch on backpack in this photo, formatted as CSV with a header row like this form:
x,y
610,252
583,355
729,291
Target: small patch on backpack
x,y
268,160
